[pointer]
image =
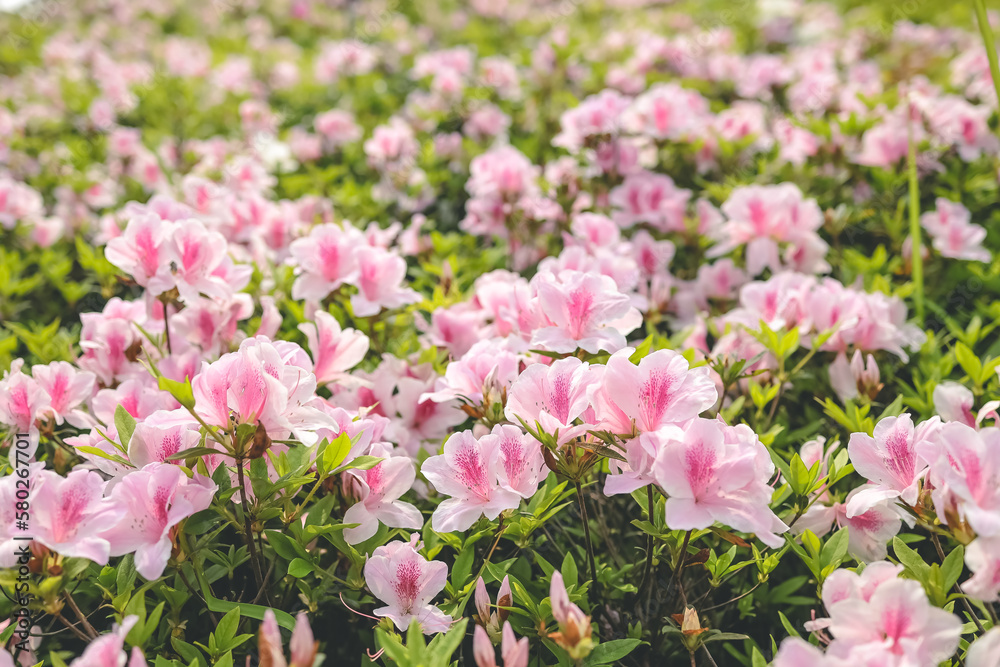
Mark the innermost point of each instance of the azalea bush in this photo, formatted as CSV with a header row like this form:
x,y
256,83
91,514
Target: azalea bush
x,y
563,333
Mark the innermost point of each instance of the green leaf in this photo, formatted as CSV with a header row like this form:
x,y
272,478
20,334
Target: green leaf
x,y
179,390
336,451
569,571
299,568
835,549
227,627
951,567
911,560
607,653
125,425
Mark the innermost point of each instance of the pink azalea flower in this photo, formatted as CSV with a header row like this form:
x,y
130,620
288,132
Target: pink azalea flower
x,y
585,310
194,253
645,197
143,252
378,490
661,389
154,441
985,651
953,234
552,397
796,652
491,620
325,260
260,383
514,651
398,575
718,473
22,399
890,461
953,402
982,556
380,277
156,498
895,625
69,513
469,471
869,532
109,650
520,459
574,625
66,388
965,464
640,454
334,351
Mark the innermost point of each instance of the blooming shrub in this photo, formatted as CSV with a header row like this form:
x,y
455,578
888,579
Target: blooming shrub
x,y
499,333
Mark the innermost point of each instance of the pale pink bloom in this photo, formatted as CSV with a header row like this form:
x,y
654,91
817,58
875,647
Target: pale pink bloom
x,y
155,439
12,534
985,651
69,513
661,389
486,362
485,123
953,402
645,197
520,459
667,111
139,397
514,651
267,382
22,398
378,490
456,329
109,650
585,311
764,216
194,253
143,252
469,471
334,351
718,473
503,173
796,652
156,499
418,418
325,260
848,379
652,256
346,58
640,454
211,324
795,144
890,461
399,576
953,234
270,319
965,464
380,282
337,127
885,144
961,124
895,626
982,556
597,115
742,120
392,146
869,532
552,397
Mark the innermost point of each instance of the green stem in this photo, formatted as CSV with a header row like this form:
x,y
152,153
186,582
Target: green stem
x,y
586,532
917,248
991,49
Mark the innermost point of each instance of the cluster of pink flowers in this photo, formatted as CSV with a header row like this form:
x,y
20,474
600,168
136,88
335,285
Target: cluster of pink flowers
x,y
876,618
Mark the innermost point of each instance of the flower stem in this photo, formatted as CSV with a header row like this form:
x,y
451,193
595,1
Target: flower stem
x,y
988,42
649,543
586,530
248,529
